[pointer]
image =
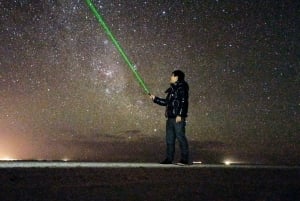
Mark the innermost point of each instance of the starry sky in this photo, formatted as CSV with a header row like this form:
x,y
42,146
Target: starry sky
x,y
67,93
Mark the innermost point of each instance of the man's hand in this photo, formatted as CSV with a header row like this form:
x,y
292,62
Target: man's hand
x,y
178,119
152,96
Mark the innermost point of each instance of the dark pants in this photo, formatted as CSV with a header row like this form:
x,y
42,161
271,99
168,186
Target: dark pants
x,y
176,131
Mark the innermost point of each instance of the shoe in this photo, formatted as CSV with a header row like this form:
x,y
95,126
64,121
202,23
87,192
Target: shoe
x,y
166,161
183,162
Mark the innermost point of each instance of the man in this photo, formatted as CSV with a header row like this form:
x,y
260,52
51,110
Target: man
x,y
176,103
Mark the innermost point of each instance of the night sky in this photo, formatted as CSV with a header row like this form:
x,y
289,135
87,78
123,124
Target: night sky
x,y
67,93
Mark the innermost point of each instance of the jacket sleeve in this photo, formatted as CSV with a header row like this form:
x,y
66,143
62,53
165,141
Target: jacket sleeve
x,y
183,102
160,101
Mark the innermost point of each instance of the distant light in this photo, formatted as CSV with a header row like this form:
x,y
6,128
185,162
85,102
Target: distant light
x,y
65,159
227,162
197,162
7,159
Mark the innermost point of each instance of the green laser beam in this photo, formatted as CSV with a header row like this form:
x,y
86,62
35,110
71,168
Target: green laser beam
x,y
117,45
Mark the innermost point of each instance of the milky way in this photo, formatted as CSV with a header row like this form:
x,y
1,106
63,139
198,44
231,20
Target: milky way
x,y
66,91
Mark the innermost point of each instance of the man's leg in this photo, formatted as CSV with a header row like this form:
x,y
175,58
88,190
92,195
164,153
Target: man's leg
x,y
170,139
183,143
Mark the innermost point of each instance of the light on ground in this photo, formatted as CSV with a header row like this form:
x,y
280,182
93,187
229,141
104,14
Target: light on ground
x,y
227,162
7,159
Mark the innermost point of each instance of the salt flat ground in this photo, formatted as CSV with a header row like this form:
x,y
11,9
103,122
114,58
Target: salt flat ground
x,y
66,164
91,181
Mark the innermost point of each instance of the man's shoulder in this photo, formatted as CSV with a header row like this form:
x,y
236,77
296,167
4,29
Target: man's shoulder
x,y
183,86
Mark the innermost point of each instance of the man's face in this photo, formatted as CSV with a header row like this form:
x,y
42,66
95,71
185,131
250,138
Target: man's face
x,y
173,79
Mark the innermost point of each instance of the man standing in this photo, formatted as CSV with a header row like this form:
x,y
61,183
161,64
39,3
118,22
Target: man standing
x,y
176,103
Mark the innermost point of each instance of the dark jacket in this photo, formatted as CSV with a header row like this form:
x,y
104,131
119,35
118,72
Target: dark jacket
x,y
176,101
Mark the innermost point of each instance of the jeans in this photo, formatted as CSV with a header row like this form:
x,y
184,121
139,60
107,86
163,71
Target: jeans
x,y
176,131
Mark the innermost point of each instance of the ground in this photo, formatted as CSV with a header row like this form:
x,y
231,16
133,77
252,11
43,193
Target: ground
x,y
152,183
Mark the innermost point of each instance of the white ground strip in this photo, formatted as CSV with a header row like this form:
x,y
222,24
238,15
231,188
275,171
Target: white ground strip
x,y
38,164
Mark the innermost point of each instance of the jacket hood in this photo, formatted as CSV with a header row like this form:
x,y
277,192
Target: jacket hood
x,y
177,85
183,84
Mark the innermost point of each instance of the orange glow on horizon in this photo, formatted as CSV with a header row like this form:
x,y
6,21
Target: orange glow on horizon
x,y
7,159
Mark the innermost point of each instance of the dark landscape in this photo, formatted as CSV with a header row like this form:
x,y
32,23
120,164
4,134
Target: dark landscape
x,y
162,184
